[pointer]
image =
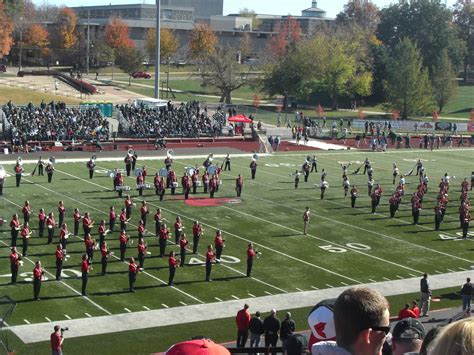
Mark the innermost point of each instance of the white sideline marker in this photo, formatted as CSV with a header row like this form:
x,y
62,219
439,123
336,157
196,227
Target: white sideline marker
x,y
88,315
268,293
26,321
164,305
251,295
463,269
299,289
184,304
129,311
343,283
148,309
400,277
314,288
215,217
67,317
227,217
412,275
234,296
330,286
217,298
49,320
438,272
450,270
386,278
372,280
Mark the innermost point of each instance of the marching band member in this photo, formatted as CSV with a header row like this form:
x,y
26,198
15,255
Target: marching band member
x,y
26,234
239,184
134,160
118,183
156,182
306,217
366,165
226,162
123,220
197,232
63,235
438,210
87,223
375,196
353,196
26,211
132,274
194,180
37,278
251,253
61,212
205,181
91,165
210,258
415,207
89,242
50,171
59,255
168,163
128,206
370,185
178,229
219,245
419,167
18,170
464,185
173,264
173,181
123,240
305,169
157,218
296,174
186,186
161,188
128,163
253,168
41,222
183,243
50,224
141,229
14,264
104,251
144,212
393,202
396,171
77,219
345,185
101,232
112,218
164,235
85,269
142,247
213,186
144,173
465,221
140,182
40,167
314,164
324,186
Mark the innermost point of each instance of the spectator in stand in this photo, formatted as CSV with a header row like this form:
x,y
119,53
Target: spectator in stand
x,y
407,337
243,320
361,320
288,327
256,330
415,309
466,294
455,339
271,325
406,313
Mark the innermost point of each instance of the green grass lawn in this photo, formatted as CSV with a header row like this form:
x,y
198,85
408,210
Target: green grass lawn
x,y
24,96
462,104
344,245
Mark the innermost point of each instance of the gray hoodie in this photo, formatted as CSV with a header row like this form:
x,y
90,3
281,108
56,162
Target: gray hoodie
x,y
328,348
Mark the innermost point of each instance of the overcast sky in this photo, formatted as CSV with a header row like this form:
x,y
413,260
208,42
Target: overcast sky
x,y
276,7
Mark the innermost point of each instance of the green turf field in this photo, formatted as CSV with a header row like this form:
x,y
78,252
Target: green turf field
x,y
344,247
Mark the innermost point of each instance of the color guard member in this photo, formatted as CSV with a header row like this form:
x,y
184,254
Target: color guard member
x,y
50,171
91,165
353,196
18,171
253,168
306,217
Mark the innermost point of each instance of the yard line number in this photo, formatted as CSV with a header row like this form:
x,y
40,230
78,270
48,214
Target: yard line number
x,y
336,249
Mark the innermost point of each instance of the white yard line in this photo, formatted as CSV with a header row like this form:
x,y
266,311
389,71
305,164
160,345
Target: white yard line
x,y
184,304
235,297
127,310
67,317
251,295
164,305
145,307
49,320
26,321
88,315
217,298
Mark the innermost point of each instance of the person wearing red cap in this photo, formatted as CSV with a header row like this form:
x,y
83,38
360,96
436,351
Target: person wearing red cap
x,y
77,220
132,274
85,269
142,247
14,264
51,223
59,261
41,222
243,321
251,253
219,245
183,243
164,235
37,277
26,211
210,257
123,239
104,251
112,218
15,227
144,212
101,232
173,264
26,234
201,346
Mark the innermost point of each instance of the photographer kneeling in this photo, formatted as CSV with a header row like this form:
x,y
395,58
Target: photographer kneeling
x,y
57,339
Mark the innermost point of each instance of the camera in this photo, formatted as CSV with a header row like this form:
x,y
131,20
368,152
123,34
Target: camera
x,y
64,329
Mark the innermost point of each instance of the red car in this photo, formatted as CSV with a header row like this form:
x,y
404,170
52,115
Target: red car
x,y
141,75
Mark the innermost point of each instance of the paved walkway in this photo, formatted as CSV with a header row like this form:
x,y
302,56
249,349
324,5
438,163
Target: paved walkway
x,y
195,313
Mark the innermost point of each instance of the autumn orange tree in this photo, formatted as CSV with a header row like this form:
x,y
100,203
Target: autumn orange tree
x,y
288,33
67,21
202,41
37,36
116,34
6,29
168,43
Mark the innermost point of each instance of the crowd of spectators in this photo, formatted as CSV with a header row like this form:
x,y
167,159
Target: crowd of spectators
x,y
184,120
54,121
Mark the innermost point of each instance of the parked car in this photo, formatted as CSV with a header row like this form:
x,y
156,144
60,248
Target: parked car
x,y
3,68
141,75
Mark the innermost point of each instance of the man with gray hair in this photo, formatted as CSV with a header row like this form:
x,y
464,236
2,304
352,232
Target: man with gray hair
x,y
271,325
288,327
407,336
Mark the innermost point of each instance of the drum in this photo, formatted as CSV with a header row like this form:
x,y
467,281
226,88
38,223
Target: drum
x,y
211,170
163,172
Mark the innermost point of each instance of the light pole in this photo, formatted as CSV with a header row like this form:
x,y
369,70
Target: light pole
x,y
21,43
157,55
88,42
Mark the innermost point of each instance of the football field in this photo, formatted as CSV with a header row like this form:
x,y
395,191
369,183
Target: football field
x,y
344,246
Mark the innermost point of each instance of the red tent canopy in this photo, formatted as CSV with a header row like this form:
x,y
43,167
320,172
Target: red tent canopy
x,y
240,118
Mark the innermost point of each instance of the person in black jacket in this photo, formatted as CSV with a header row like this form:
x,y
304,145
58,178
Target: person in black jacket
x,y
272,326
288,327
466,293
256,330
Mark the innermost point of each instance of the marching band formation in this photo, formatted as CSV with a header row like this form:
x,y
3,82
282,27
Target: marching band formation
x,y
206,177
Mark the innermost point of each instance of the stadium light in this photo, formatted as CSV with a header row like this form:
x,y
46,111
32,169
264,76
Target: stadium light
x,y
157,56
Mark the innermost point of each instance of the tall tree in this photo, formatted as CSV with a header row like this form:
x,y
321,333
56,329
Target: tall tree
x,y
37,36
427,23
408,87
6,30
67,22
116,34
363,13
288,35
443,79
202,41
222,71
129,60
464,20
168,43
